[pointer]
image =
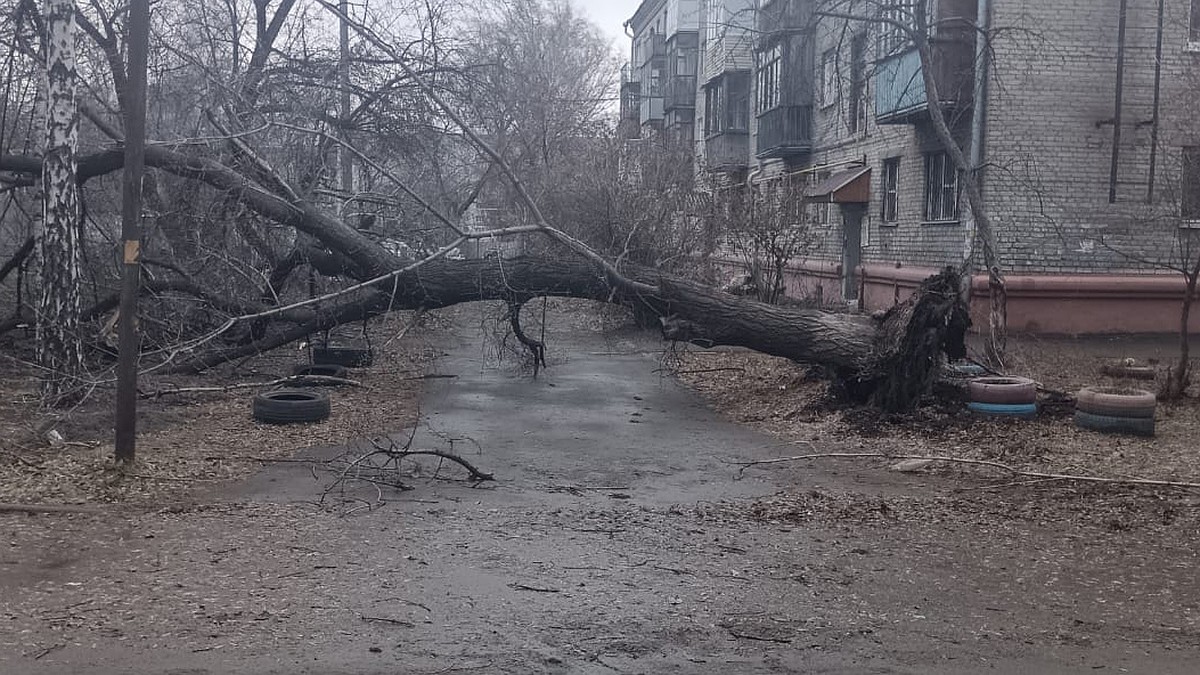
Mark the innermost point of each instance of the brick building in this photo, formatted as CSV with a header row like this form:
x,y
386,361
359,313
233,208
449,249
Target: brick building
x,y
1078,112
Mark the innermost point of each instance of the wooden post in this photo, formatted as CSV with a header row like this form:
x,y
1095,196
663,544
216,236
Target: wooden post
x,y
131,230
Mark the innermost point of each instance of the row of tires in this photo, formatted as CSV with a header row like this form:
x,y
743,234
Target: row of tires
x,y
299,406
1104,409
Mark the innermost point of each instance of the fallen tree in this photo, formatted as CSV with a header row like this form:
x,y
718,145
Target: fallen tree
x,y
890,362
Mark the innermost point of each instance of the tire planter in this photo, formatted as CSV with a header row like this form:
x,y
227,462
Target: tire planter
x,y
1116,402
350,357
1018,410
1138,426
321,370
291,406
1002,390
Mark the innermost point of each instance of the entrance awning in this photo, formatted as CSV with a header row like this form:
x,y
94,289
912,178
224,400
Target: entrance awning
x,y
852,186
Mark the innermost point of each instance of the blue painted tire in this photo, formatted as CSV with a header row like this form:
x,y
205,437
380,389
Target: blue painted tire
x,y
968,369
1020,410
1138,426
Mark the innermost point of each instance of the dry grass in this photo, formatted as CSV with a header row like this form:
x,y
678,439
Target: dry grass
x,y
776,396
190,443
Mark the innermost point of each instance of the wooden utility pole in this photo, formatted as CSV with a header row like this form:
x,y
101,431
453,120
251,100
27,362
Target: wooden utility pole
x,y
131,229
345,159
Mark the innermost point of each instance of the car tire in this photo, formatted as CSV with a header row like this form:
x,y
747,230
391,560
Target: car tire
x,y
1018,410
291,406
1138,426
1002,390
1116,402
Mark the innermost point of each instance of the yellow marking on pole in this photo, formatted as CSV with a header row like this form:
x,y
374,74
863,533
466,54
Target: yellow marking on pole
x,y
133,249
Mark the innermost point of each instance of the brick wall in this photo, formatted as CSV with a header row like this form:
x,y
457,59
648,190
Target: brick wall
x,y
1049,143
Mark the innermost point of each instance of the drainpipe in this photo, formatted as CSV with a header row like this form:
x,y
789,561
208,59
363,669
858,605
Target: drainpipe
x,y
983,21
754,175
1116,150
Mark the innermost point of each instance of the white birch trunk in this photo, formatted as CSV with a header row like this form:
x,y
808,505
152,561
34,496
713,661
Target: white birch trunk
x,y
60,348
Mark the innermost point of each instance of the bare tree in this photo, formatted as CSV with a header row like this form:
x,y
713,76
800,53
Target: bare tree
x,y
251,177
910,18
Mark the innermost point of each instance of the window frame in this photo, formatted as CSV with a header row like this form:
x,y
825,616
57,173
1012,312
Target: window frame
x,y
857,104
830,85
1193,43
889,200
941,187
893,40
1189,186
768,79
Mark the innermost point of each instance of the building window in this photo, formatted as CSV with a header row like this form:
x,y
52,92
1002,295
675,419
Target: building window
x,y
856,112
900,20
1189,185
890,199
1194,24
714,107
768,74
941,188
727,104
716,19
829,79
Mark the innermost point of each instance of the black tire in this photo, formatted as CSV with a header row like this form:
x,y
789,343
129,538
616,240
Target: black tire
x,y
1138,426
321,370
1002,390
291,406
1116,402
350,357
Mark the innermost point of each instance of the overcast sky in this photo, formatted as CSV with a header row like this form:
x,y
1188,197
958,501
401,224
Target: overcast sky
x,y
609,15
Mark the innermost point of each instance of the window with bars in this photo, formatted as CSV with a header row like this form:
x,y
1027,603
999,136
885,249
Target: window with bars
x,y
768,76
941,188
900,18
727,103
889,211
715,19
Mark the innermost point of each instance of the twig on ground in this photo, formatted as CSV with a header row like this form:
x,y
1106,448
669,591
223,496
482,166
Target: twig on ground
x,y
536,589
1037,475
758,638
698,372
295,379
386,619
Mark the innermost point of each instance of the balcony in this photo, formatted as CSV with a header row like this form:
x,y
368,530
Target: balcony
x,y
651,109
900,85
727,151
654,47
631,96
785,131
778,16
681,92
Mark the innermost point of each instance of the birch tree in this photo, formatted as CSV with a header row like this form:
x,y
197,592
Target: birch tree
x,y
60,350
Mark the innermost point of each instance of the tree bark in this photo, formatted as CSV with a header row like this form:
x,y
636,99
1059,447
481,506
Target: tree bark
x,y
60,349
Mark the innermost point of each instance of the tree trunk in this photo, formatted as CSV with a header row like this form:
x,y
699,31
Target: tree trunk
x,y
1181,376
997,342
60,350
892,363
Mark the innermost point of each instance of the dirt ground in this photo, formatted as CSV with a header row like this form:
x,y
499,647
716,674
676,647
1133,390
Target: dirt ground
x,y
620,534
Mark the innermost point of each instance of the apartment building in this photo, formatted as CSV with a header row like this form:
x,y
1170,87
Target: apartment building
x,y
658,85
1077,113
